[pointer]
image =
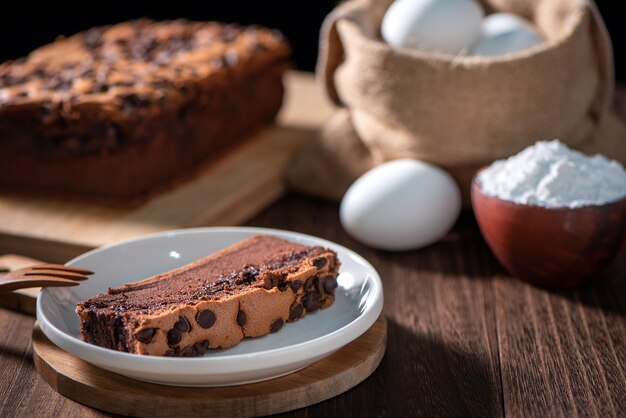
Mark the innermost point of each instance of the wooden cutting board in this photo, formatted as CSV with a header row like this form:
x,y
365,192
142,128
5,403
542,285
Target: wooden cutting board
x,y
90,385
227,192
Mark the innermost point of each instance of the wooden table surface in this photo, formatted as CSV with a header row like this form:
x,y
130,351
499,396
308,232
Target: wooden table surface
x,y
464,337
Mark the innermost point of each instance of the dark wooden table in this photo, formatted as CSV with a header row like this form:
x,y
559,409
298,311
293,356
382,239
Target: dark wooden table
x,y
464,338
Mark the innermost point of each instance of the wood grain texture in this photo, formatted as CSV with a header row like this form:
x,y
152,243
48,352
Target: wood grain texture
x,y
463,337
108,391
563,353
225,192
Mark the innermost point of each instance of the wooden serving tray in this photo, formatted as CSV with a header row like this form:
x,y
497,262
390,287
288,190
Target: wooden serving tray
x,y
92,386
226,192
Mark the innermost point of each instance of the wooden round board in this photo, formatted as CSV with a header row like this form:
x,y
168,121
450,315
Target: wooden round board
x,y
95,387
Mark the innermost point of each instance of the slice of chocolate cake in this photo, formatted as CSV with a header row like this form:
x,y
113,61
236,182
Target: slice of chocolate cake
x,y
246,290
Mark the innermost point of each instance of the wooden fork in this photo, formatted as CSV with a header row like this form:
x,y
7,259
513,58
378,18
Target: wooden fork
x,y
43,275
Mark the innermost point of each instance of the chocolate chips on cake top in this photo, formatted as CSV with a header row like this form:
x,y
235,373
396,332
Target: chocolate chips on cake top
x,y
132,65
246,290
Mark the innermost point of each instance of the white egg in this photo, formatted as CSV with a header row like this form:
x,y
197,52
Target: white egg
x,y
506,33
401,205
445,26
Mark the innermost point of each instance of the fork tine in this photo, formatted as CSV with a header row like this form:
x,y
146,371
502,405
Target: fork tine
x,y
11,281
58,281
26,283
55,273
61,267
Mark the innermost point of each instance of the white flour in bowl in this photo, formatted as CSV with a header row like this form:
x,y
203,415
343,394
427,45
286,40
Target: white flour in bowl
x,y
550,174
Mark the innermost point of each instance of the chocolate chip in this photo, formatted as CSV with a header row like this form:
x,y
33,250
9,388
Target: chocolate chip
x,y
318,284
246,276
201,347
137,52
187,90
188,351
7,80
309,283
100,88
128,83
59,84
92,38
162,100
296,285
330,284
135,100
231,58
170,353
174,336
277,325
182,324
101,76
319,262
151,46
162,58
311,301
22,94
296,312
45,110
218,62
241,318
230,32
145,335
205,318
39,72
258,47
272,279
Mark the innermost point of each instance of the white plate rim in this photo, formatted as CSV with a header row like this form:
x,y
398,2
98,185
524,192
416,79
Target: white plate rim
x,y
346,334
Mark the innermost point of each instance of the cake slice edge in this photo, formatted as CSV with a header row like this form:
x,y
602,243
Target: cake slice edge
x,y
279,293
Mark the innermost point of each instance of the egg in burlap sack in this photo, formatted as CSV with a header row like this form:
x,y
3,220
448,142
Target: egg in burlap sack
x,y
463,112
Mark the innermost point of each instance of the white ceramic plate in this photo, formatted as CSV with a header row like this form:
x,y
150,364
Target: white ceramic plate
x,y
358,303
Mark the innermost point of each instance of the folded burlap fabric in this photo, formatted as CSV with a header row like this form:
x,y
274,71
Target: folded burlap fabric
x,y
463,112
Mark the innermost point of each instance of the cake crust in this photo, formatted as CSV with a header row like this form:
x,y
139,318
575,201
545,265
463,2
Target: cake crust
x,y
249,289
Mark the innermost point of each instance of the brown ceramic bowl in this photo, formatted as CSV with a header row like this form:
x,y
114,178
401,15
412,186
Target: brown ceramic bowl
x,y
551,247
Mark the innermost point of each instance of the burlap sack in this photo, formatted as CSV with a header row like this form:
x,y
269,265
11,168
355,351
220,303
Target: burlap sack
x,y
458,112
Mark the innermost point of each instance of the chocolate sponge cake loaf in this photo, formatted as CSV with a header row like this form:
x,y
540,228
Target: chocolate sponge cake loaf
x,y
116,112
246,290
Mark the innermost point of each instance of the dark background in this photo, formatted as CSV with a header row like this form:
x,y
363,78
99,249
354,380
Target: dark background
x,y
23,30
